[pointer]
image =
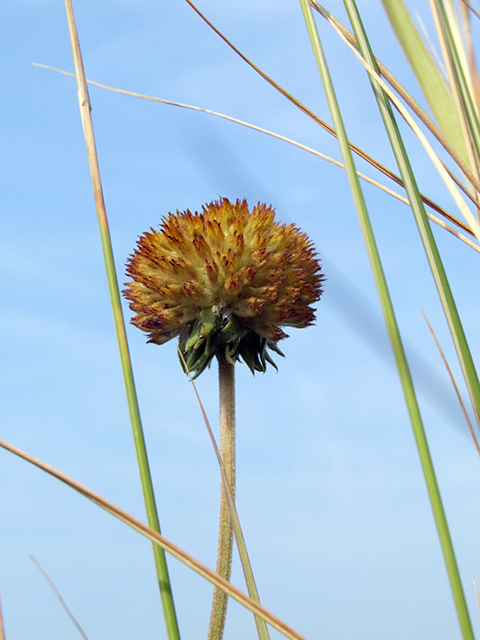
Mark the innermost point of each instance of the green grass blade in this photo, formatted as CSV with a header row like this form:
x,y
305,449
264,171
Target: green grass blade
x,y
460,74
431,250
433,84
439,276
391,323
401,90
139,441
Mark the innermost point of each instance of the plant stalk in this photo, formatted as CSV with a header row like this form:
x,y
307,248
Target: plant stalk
x,y
452,315
132,400
392,327
226,379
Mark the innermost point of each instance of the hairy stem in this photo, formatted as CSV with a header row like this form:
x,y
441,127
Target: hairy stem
x,y
226,375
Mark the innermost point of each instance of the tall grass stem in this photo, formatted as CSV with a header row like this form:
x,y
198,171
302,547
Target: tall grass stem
x,y
134,411
390,320
431,250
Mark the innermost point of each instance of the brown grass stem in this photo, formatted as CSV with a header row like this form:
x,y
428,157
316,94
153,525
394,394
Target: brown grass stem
x,y
160,540
2,627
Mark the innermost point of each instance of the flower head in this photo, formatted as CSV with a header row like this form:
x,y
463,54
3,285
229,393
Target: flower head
x,y
224,280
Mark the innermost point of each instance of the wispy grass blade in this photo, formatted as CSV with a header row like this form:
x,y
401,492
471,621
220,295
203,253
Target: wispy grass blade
x,y
444,172
455,386
303,108
476,592
391,323
139,440
2,626
470,8
430,203
161,541
466,11
59,597
319,121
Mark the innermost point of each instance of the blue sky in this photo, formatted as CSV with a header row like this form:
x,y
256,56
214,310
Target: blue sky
x,y
330,491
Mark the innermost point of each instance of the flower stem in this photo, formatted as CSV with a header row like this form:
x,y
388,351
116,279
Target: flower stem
x,y
226,377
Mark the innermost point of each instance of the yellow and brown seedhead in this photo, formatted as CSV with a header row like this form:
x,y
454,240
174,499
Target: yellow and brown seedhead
x,y
224,280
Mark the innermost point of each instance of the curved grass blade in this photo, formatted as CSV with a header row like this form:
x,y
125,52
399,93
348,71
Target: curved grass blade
x,y
465,12
430,203
298,104
471,177
159,540
470,8
139,440
447,300
445,174
476,592
391,323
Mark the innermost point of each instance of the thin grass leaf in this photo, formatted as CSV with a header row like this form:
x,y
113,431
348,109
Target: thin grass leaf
x,y
434,86
476,592
59,597
455,24
159,540
431,250
319,121
465,12
2,626
390,320
455,386
470,8
139,440
436,207
324,125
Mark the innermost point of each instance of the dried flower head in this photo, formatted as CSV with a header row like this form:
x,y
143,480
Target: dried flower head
x,y
224,281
